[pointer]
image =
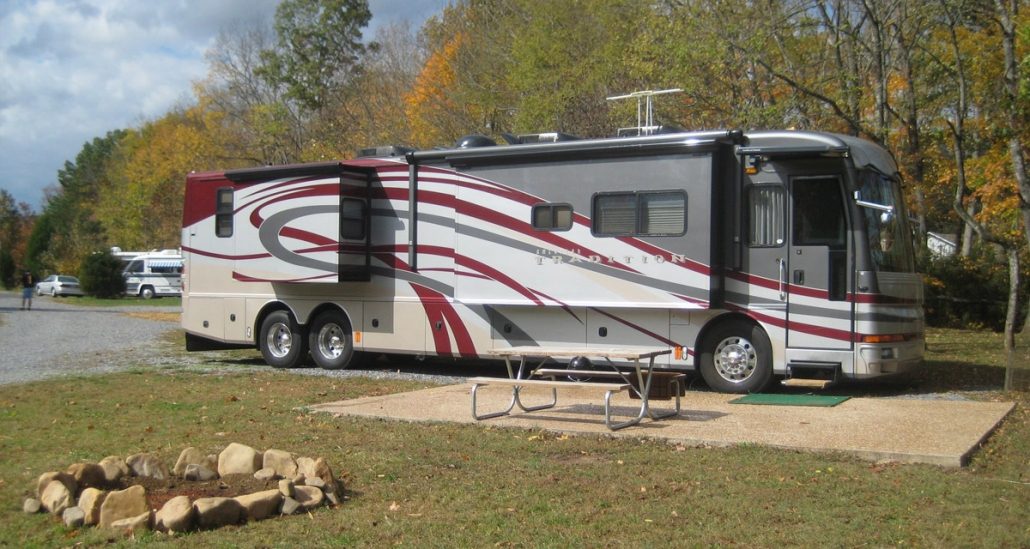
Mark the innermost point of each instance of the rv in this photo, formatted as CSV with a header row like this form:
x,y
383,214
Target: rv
x,y
750,256
154,274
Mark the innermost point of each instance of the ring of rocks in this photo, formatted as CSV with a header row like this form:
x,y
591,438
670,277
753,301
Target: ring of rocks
x,y
202,491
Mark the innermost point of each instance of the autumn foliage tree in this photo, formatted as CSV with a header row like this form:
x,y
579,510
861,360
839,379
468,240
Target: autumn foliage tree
x,y
141,207
942,85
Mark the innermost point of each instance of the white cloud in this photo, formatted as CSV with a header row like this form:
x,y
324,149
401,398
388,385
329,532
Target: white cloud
x,y
72,70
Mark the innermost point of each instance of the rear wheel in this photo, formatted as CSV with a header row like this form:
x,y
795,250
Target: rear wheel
x,y
736,357
53,292
331,340
282,341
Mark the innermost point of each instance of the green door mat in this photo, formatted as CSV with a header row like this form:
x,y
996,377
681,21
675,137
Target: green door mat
x,y
790,400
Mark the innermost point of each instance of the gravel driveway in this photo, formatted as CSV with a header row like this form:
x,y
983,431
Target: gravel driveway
x,y
58,337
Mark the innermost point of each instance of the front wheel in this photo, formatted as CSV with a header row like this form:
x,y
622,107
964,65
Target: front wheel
x,y
53,292
146,292
736,357
282,341
331,341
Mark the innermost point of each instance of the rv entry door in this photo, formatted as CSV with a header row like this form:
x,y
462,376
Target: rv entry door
x,y
815,271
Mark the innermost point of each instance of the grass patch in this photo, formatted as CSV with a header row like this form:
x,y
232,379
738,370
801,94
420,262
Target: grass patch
x,y
473,485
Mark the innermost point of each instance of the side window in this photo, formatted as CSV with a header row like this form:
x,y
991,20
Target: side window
x,y
652,213
766,208
662,213
819,213
223,213
352,219
552,217
615,214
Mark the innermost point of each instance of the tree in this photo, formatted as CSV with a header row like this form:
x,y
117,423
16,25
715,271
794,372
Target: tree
x,y
101,275
14,220
371,110
142,205
1015,101
461,87
8,269
250,117
319,45
433,113
565,62
67,230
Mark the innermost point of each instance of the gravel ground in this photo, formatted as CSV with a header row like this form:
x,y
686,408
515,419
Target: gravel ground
x,y
57,338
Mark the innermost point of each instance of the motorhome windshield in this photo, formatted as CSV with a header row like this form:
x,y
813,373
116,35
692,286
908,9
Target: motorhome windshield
x,y
883,212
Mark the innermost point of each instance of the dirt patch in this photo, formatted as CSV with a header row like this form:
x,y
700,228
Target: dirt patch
x,y
160,491
161,317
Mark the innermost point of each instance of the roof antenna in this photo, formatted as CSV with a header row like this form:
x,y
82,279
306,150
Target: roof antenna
x,y
645,110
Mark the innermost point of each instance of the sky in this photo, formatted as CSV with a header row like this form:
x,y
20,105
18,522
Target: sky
x,y
72,70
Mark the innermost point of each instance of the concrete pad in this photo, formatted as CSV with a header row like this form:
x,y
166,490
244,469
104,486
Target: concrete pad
x,y
939,432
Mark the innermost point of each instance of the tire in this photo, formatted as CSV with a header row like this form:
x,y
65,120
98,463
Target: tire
x,y
146,292
282,341
53,292
39,291
331,341
736,357
580,363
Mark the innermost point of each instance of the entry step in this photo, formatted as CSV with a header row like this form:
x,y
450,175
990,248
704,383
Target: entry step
x,y
807,383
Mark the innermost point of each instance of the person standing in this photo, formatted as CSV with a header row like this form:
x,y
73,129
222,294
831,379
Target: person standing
x,y
28,285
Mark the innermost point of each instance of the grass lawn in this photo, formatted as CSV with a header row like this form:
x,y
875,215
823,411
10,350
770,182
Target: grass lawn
x,y
473,485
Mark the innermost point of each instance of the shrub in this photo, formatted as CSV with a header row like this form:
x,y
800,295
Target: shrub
x,y
101,275
969,292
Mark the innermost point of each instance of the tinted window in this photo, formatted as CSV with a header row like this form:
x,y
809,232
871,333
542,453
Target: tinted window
x,y
552,217
223,213
658,213
819,213
352,219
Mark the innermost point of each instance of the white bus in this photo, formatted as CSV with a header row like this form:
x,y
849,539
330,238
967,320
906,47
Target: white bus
x,y
154,274
751,256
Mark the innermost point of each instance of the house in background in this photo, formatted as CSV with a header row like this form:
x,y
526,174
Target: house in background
x,y
941,245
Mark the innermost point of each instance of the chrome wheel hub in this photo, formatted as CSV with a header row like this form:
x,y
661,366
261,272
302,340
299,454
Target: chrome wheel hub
x,y
735,359
331,341
280,340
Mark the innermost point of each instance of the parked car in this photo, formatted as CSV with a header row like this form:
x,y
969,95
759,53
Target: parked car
x,y
56,285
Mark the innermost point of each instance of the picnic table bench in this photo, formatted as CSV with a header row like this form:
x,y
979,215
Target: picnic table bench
x,y
636,379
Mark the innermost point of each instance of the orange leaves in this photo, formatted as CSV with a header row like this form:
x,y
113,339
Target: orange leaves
x,y
148,176
431,99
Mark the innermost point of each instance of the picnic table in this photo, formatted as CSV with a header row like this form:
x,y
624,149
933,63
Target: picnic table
x,y
636,379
